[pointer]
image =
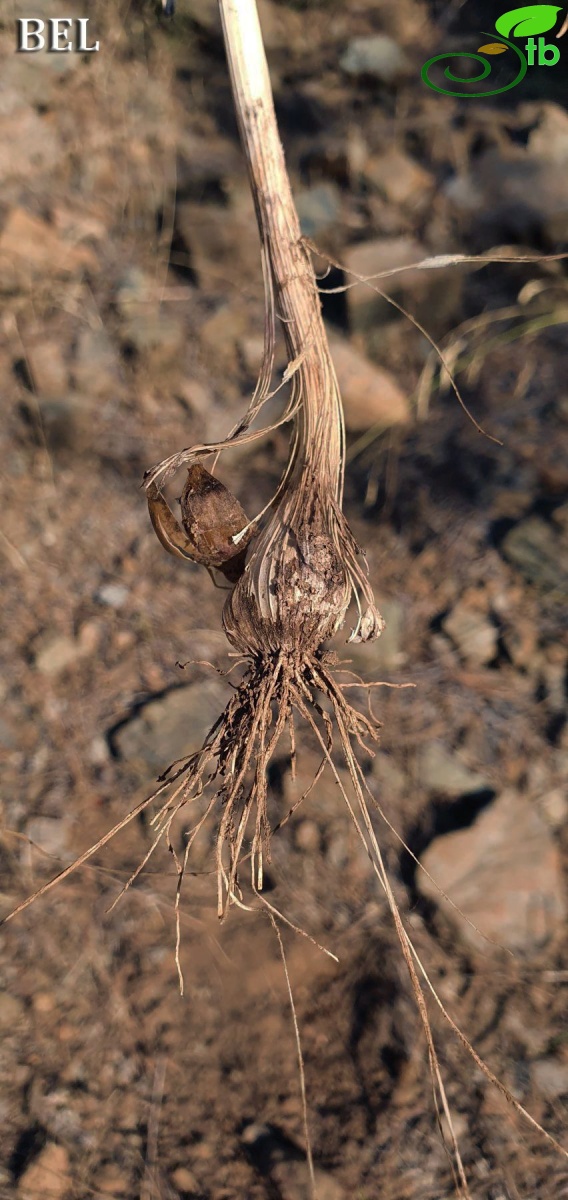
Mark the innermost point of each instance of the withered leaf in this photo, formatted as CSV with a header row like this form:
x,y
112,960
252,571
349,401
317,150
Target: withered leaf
x,y
492,48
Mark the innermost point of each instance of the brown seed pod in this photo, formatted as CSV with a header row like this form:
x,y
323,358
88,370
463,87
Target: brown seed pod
x,y
211,517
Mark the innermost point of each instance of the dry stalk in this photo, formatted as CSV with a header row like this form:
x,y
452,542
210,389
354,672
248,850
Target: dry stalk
x,y
295,569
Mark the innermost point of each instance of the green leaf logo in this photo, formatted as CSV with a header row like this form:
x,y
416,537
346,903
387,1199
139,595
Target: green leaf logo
x,y
528,21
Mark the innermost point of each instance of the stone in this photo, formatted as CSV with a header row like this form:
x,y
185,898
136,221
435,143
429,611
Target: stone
x,y
551,1077
549,139
472,632
504,873
156,335
169,726
206,14
318,208
386,653
134,292
222,242
28,141
26,82
50,835
536,549
307,836
370,395
553,805
49,370
66,424
279,1160
12,1011
30,248
443,773
113,595
520,639
433,296
111,1181
400,179
221,332
8,741
95,368
47,1177
204,160
392,781
185,1181
56,654
515,190
378,57
195,397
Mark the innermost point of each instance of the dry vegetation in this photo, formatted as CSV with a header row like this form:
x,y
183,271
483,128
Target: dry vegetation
x,y
114,1085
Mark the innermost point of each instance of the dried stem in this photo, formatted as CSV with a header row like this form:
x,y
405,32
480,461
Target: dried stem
x,y
295,579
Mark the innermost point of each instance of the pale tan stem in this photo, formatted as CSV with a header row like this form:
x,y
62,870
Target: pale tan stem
x,y
319,427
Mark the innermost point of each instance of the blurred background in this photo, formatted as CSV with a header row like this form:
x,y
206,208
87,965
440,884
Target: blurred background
x,y
131,316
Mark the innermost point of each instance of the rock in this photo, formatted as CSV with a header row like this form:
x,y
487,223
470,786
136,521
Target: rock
x,y
27,80
378,57
222,243
50,835
156,335
66,424
445,774
78,224
204,161
535,548
549,140
170,726
432,295
504,873
113,595
95,368
134,292
30,248
519,189
98,752
47,1177
221,332
551,1077
553,806
307,836
391,779
48,367
56,654
386,653
472,632
195,397
553,676
400,179
8,741
279,1160
371,396
185,1182
520,639
205,13
28,142
318,208
111,1181
12,1011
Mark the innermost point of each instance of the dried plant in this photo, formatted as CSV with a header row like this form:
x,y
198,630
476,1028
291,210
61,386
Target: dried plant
x,y
295,571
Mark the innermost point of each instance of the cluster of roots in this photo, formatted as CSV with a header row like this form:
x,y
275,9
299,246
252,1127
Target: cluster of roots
x,y
230,770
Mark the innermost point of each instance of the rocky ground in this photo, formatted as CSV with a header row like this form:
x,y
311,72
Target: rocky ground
x,y
130,326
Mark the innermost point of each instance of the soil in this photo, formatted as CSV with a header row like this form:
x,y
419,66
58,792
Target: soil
x,y
130,324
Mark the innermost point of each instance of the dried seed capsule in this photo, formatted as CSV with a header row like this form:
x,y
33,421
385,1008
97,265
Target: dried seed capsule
x,y
211,516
